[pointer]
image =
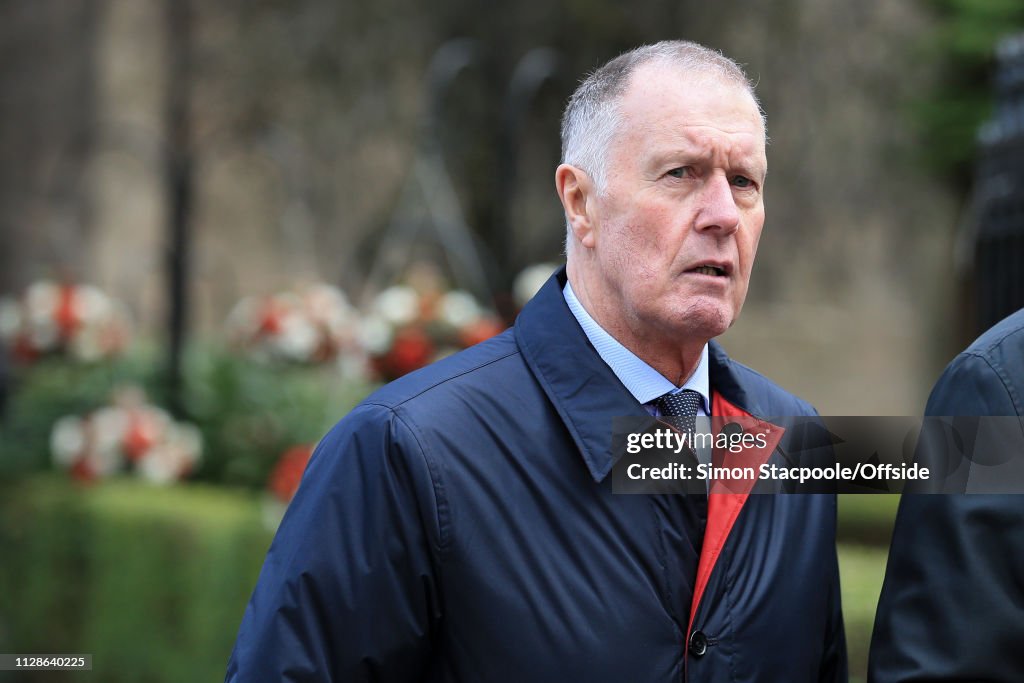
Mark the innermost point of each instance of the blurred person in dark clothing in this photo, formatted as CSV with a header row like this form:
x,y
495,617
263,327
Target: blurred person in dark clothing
x,y
952,605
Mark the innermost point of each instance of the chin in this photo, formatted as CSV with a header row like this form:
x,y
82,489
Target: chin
x,y
707,321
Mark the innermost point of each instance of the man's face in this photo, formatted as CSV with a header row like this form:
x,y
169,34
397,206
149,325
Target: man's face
x,y
677,227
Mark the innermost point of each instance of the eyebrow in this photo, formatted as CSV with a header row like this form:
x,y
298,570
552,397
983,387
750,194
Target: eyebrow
x,y
702,154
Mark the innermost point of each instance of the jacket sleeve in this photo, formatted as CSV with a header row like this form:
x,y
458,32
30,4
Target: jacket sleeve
x,y
950,605
349,589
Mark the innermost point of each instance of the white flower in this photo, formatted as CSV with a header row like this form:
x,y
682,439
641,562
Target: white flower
x,y
88,343
298,338
42,299
314,323
67,441
458,308
376,334
106,429
530,280
145,425
169,460
324,301
87,321
161,464
189,439
130,430
398,305
91,306
43,334
328,307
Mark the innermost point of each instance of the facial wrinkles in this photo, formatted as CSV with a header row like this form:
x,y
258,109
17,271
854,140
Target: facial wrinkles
x,y
700,147
703,102
731,120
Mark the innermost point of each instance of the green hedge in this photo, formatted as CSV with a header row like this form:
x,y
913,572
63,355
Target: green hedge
x,y
152,582
865,528
861,570
867,519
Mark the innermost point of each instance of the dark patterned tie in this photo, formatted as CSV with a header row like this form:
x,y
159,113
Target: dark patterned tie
x,y
688,512
682,404
682,407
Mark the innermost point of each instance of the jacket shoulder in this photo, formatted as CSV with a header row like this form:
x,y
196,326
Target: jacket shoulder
x,y
1002,347
987,378
474,367
1006,335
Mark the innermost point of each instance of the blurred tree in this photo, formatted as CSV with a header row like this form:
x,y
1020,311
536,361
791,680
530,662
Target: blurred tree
x,y
963,43
180,189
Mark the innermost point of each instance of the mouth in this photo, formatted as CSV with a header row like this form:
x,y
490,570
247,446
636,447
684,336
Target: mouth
x,y
710,269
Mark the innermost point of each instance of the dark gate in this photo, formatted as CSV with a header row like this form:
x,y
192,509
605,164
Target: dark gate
x,y
998,240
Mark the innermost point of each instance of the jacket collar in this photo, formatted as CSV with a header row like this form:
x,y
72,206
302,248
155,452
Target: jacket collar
x,y
724,378
582,388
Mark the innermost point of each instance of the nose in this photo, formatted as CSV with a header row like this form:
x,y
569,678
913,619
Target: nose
x,y
718,211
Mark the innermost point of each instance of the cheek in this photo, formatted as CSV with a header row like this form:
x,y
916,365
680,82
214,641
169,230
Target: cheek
x,y
749,241
651,234
756,239
747,250
629,246
751,252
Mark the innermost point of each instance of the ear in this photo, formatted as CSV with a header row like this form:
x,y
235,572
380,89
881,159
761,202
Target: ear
x,y
576,190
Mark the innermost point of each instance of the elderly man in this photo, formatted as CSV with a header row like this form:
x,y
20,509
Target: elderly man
x,y
460,524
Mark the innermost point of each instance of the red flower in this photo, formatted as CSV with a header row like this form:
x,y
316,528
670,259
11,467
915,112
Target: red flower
x,y
67,315
23,349
140,436
270,322
82,472
478,331
411,350
284,480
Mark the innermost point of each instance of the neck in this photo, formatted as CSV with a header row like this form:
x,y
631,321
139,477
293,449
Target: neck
x,y
674,356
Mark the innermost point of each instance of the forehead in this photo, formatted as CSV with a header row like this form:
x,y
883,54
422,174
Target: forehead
x,y
663,106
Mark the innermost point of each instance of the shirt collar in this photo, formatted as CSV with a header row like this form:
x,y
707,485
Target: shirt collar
x,y
644,382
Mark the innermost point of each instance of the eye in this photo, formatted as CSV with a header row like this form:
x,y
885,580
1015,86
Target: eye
x,y
742,182
679,172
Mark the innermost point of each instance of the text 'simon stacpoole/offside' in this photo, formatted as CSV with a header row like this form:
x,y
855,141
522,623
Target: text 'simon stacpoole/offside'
x,y
836,472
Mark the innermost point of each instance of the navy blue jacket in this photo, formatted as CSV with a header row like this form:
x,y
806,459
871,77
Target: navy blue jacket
x,y
952,606
459,525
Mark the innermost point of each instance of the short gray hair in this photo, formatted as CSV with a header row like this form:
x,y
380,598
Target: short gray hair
x,y
592,116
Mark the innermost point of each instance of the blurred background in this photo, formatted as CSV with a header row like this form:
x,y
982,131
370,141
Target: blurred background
x,y
223,224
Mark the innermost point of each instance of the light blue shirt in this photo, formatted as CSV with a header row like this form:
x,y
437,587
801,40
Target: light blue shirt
x,y
644,382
